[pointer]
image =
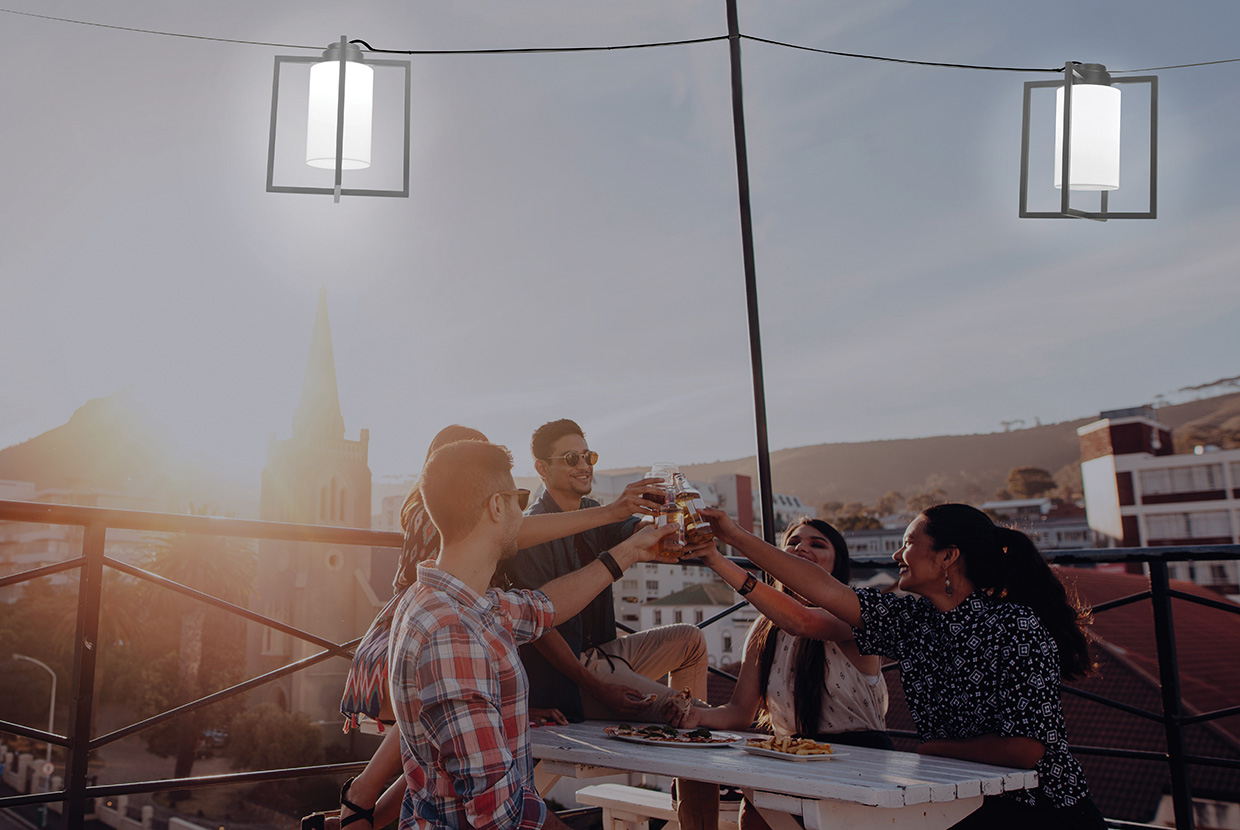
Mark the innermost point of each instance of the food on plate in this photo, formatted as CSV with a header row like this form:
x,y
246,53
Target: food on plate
x,y
683,700
667,734
791,746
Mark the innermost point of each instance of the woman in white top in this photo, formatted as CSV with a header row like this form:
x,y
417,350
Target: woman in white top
x,y
801,670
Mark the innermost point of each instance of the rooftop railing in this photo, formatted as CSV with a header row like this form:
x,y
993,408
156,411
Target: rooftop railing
x,y
78,743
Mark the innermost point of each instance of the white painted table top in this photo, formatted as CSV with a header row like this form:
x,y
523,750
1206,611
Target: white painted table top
x,y
871,777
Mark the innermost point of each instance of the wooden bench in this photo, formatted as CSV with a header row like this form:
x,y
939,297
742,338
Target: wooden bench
x,y
631,808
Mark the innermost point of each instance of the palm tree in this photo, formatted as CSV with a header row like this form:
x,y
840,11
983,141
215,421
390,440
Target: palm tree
x,y
221,566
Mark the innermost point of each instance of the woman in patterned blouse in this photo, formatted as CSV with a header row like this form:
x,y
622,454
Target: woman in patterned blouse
x,y
981,646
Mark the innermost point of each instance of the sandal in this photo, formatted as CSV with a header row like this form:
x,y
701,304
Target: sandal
x,y
318,821
366,814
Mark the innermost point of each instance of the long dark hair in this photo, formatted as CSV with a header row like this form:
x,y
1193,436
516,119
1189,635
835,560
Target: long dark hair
x,y
809,656
412,552
1006,564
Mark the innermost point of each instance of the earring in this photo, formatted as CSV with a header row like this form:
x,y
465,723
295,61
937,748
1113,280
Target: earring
x,y
947,585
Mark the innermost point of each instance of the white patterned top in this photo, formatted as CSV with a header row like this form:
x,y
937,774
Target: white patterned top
x,y
852,701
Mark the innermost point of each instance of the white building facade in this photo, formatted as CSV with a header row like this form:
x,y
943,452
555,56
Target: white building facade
x,y
1140,493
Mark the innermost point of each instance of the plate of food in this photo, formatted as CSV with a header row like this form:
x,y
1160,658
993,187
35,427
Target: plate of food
x,y
792,749
661,735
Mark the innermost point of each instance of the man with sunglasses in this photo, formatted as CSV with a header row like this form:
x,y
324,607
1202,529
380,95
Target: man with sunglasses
x,y
457,685
582,668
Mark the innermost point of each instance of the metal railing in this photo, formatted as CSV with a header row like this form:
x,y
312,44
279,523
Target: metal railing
x,y
78,743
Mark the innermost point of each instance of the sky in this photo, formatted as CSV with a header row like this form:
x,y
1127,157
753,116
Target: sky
x,y
571,246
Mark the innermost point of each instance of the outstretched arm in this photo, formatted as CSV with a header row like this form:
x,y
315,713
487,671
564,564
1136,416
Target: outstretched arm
x,y
543,527
570,593
739,711
785,611
811,581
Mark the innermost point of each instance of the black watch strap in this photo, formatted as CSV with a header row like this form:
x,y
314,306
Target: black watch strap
x,y
612,565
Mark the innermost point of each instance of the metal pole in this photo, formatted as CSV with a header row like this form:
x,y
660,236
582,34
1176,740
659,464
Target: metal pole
x,y
751,281
85,652
344,45
1169,678
51,706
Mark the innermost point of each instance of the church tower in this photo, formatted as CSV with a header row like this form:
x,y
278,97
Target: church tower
x,y
316,477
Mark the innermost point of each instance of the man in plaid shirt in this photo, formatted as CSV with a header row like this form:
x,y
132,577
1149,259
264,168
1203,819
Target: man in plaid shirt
x,y
457,684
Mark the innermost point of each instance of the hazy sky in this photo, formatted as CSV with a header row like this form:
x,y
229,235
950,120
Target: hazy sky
x,y
570,247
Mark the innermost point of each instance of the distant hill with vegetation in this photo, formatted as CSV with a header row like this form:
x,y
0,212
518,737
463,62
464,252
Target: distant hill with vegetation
x,y
113,444
110,443
966,467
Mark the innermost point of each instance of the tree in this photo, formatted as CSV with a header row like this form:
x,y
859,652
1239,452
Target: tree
x,y
856,522
829,509
890,503
267,737
220,566
1029,482
920,501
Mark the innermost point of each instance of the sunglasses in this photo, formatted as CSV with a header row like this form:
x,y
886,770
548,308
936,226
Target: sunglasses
x,y
523,496
572,457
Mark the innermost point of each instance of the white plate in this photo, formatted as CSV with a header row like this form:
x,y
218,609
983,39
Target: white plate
x,y
788,756
731,739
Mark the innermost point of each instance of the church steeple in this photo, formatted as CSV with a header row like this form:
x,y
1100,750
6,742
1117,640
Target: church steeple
x,y
318,413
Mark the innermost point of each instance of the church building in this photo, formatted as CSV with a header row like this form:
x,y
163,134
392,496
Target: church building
x,y
315,477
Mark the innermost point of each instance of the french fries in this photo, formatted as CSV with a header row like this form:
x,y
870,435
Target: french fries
x,y
792,746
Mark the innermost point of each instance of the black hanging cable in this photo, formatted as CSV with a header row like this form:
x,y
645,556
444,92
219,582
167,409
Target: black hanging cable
x,y
617,47
897,60
1177,66
533,50
157,32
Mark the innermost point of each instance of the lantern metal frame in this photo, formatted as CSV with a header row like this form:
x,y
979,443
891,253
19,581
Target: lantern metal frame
x,y
1072,75
337,191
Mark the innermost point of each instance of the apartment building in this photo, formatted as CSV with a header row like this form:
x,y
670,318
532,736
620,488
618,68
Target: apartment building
x,y
1140,493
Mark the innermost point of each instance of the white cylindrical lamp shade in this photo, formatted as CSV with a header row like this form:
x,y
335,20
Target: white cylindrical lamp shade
x,y
359,84
1094,139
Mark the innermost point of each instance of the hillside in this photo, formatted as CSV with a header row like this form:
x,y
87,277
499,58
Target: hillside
x,y
111,444
967,467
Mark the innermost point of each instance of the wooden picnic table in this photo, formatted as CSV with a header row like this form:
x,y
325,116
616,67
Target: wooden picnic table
x,y
858,789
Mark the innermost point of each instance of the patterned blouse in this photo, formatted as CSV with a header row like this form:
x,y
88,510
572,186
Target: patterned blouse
x,y
366,685
985,667
851,700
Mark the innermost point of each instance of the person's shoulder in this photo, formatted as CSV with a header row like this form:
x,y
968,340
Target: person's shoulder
x,y
889,601
1014,620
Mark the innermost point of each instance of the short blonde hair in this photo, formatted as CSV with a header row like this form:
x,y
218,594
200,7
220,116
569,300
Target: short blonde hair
x,y
457,481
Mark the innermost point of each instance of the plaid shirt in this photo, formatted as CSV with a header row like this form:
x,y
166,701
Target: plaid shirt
x,y
461,700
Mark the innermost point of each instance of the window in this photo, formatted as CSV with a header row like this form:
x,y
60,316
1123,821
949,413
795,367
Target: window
x,y
628,585
629,618
727,643
678,616
1194,479
1203,525
652,584
658,617
697,615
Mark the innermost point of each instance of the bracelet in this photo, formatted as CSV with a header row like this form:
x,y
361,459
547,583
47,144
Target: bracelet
x,y
612,565
749,584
